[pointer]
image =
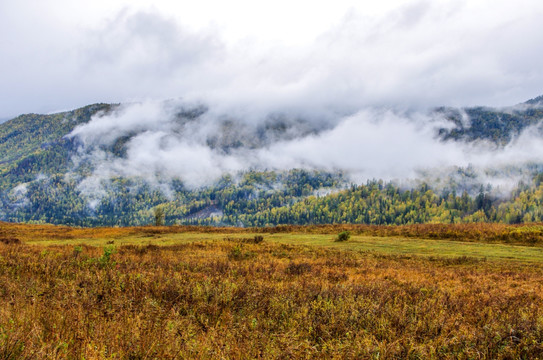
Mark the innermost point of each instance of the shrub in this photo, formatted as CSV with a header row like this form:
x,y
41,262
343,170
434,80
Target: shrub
x,y
343,236
78,249
298,268
257,239
237,253
105,259
159,216
10,240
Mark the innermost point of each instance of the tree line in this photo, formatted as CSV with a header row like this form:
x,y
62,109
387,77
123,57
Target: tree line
x,y
297,197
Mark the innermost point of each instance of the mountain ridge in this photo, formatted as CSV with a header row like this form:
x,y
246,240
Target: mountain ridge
x,y
45,173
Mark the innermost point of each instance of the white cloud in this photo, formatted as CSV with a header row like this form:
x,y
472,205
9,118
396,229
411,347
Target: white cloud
x,y
343,55
331,64
162,143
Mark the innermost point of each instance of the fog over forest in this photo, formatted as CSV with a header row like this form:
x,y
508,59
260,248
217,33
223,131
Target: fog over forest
x,y
409,92
198,144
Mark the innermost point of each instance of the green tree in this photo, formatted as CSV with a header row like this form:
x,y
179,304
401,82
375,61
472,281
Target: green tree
x,y
159,216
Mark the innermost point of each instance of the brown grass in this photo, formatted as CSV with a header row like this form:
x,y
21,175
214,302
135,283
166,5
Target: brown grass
x,y
272,301
9,240
525,234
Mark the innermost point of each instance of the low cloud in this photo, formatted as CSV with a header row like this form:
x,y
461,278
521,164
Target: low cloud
x,y
161,141
352,96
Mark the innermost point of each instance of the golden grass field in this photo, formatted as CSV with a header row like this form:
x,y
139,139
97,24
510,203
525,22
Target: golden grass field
x,y
414,292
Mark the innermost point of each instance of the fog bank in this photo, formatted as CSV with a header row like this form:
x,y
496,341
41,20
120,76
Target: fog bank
x,y
196,143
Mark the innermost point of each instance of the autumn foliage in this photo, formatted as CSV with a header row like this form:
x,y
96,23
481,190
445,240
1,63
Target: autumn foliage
x,y
237,299
246,297
527,234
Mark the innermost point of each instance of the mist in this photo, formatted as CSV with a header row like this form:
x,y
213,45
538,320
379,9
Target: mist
x,y
198,144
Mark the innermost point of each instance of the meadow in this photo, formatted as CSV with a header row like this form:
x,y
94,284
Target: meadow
x,y
206,293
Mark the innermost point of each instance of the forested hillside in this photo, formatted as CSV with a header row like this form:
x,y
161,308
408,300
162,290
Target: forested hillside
x,y
35,144
496,125
44,178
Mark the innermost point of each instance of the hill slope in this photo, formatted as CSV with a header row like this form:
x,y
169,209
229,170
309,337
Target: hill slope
x,y
47,174
31,144
497,125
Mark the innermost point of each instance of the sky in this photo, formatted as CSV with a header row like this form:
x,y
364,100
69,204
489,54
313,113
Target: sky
x,y
342,55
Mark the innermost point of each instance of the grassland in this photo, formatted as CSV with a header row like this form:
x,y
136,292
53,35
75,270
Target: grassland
x,y
169,293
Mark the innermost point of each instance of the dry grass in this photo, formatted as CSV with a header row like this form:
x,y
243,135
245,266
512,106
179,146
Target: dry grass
x,y
525,234
238,300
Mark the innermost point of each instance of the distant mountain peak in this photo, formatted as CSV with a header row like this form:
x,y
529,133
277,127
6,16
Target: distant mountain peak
x,y
535,101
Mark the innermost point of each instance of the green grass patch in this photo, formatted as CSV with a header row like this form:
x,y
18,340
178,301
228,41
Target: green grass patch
x,y
380,245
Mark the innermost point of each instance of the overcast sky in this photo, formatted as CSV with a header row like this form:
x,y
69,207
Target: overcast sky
x,y
60,54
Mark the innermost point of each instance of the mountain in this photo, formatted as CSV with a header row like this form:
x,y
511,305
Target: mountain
x,y
538,101
49,167
484,123
32,144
